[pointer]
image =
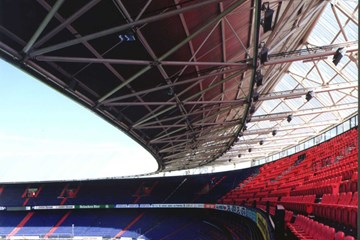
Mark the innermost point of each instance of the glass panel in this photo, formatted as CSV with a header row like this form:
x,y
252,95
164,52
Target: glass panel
x,y
327,135
333,132
306,145
352,122
346,125
311,142
291,151
340,129
300,147
318,139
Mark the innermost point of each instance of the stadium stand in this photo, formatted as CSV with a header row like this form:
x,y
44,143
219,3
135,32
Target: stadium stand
x,y
320,182
205,188
317,187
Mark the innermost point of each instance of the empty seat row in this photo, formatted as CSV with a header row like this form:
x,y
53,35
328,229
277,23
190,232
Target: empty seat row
x,y
318,188
305,228
299,203
350,185
341,208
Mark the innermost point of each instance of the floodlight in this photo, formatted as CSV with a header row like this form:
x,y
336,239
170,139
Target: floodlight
x,y
274,132
255,97
268,16
340,52
252,109
264,55
250,150
261,142
239,156
258,78
309,95
289,118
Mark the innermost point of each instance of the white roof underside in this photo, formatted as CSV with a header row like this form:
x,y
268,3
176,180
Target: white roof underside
x,y
335,89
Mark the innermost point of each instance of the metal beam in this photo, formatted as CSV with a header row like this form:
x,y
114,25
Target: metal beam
x,y
143,10
312,56
175,103
184,125
302,92
43,25
136,62
12,36
174,49
280,24
179,74
189,98
162,71
279,116
220,110
339,22
350,16
121,28
263,131
300,27
65,23
158,88
91,49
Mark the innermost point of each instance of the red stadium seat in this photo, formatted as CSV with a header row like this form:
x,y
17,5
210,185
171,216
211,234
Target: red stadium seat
x,y
345,201
353,218
349,212
306,228
329,233
339,235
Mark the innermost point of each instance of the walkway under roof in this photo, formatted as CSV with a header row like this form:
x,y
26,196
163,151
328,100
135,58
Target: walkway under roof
x,y
195,82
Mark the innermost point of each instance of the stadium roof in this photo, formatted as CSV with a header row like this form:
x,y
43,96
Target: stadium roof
x,y
196,82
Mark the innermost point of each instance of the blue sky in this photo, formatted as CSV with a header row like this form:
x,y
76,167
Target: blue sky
x,y
46,136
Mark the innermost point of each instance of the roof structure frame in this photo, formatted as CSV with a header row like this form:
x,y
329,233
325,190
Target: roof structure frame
x,y
185,95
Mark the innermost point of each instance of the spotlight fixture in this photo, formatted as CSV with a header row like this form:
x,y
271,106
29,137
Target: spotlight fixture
x,y
289,118
240,134
258,78
274,132
340,52
248,119
244,127
264,53
268,16
249,149
256,97
261,142
252,109
239,156
229,160
309,95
